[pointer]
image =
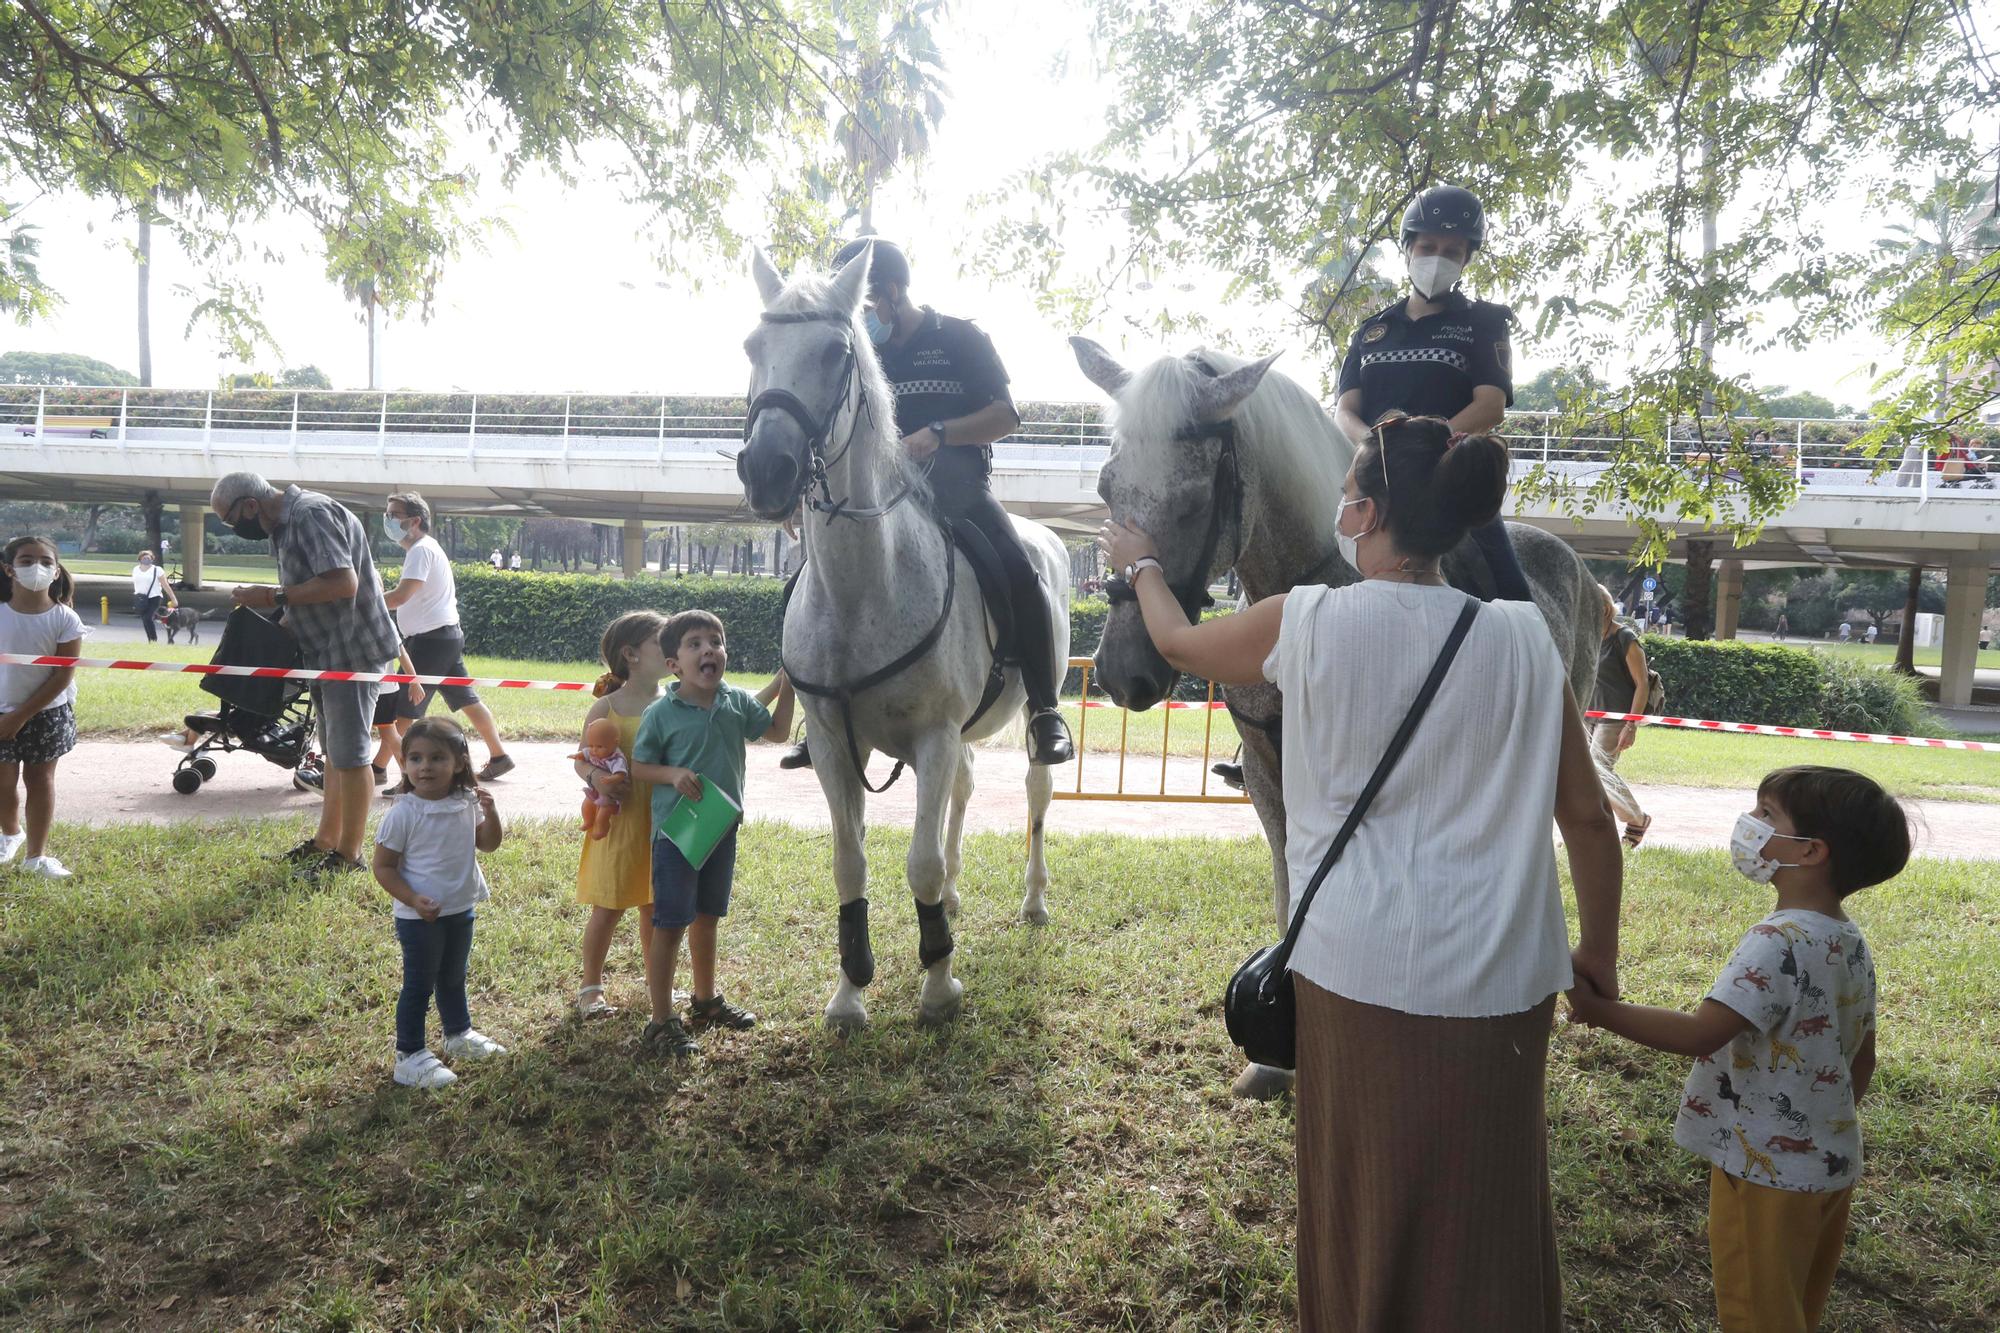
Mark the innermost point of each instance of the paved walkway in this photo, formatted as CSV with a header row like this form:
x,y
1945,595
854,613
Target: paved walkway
x,y
109,782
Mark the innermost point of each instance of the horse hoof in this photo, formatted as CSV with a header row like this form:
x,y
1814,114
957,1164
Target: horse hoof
x,y
1262,1083
1035,916
847,1022
939,1015
951,905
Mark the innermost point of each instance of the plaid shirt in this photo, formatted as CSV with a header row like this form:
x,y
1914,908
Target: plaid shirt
x,y
317,536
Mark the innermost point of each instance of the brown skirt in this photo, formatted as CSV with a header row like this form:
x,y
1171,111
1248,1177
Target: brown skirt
x,y
1423,1161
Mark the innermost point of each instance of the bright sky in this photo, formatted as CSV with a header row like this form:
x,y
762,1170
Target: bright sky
x,y
573,300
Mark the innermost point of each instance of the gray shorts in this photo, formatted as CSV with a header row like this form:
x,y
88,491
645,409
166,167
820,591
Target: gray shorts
x,y
346,710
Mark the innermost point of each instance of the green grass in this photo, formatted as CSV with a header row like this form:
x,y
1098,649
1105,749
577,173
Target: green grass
x,y
1667,756
1884,654
214,568
199,1127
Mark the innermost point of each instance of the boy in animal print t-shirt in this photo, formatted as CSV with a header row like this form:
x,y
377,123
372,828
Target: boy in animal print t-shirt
x,y
1784,1047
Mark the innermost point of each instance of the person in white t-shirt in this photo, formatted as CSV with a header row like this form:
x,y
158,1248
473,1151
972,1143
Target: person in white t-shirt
x,y
1428,964
425,601
150,588
37,720
497,560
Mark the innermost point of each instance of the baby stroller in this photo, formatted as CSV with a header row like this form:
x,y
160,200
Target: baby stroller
x,y
271,718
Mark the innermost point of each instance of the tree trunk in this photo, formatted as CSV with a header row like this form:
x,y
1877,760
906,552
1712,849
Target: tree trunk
x,y
1698,605
150,507
374,336
1906,642
146,289
90,518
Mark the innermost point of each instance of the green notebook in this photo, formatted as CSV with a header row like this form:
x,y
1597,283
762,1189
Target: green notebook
x,y
697,826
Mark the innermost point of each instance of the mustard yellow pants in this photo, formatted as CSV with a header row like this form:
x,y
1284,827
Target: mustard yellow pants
x,y
1774,1253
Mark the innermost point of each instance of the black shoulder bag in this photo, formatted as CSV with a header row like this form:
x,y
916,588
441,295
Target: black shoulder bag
x,y
1259,1007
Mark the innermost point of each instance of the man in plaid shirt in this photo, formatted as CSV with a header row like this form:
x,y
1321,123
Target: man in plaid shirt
x,y
332,601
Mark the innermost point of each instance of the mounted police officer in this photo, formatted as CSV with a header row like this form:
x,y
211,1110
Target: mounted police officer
x,y
1437,352
952,405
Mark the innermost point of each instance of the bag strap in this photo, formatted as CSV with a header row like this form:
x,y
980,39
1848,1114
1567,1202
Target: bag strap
x,y
1397,744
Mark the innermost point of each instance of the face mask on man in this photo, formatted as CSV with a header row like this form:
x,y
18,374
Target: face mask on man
x,y
878,332
395,524
1746,848
250,528
35,578
1434,275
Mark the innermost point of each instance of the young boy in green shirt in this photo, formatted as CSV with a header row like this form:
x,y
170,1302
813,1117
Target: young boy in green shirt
x,y
699,729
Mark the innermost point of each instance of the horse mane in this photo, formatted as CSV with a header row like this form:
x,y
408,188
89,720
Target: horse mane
x,y
1291,434
808,294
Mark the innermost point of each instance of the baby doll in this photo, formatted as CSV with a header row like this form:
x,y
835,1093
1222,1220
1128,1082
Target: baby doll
x,y
600,750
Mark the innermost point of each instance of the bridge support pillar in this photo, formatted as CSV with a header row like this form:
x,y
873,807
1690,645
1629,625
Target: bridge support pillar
x,y
193,517
1964,601
632,553
1728,597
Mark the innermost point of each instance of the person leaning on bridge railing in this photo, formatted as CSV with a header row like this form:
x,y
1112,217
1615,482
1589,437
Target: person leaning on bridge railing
x,y
425,601
332,600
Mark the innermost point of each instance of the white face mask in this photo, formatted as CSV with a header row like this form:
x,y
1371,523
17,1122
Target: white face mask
x,y
1746,848
394,524
35,578
1350,547
1434,275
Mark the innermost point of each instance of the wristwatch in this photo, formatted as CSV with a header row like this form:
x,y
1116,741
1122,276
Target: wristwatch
x,y
1143,562
937,428
278,598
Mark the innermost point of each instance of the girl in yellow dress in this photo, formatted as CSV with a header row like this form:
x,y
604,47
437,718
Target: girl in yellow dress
x,y
617,870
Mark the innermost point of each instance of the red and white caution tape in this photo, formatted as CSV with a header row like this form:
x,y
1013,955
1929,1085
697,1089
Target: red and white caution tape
x,y
1803,733
284,673
398,678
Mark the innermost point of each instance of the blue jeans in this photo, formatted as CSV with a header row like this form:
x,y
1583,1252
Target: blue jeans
x,y
434,954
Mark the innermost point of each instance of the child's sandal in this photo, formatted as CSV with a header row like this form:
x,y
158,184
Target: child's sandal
x,y
590,1003
1636,833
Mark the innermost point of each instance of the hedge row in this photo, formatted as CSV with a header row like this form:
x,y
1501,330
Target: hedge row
x,y
1788,687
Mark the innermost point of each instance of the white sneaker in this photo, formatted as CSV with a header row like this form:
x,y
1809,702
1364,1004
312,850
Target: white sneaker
x,y
10,843
46,866
472,1044
176,742
422,1070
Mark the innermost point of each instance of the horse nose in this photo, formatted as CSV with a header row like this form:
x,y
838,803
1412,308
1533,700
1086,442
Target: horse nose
x,y
770,477
1135,692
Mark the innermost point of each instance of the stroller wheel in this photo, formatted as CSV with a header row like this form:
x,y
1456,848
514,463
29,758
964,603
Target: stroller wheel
x,y
206,767
187,781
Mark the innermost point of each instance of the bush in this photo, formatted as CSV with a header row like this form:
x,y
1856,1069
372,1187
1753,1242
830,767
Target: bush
x,y
1857,697
1738,682
1787,687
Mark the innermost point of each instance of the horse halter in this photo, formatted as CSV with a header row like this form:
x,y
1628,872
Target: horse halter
x,y
819,433
1192,592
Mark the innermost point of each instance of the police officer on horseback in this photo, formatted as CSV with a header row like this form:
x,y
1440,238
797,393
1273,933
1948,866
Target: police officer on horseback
x,y
1437,352
952,405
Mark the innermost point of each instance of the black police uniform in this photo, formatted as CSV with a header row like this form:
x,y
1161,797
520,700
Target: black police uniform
x,y
1429,367
948,369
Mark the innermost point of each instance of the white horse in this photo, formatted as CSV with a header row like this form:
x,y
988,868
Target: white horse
x,y
1229,467
886,636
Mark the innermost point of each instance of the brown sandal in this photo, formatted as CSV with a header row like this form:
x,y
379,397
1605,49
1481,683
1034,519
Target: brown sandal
x,y
1636,833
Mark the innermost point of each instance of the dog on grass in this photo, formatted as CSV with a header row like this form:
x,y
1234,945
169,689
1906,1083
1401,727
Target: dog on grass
x,y
183,618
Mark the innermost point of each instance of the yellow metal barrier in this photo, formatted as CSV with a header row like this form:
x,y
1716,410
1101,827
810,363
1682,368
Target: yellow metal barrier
x,y
1202,796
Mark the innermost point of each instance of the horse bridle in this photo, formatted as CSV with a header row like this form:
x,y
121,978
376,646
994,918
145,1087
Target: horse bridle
x,y
819,433
1192,592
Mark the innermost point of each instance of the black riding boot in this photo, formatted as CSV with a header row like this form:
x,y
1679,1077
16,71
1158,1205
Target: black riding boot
x,y
1510,584
799,756
1048,735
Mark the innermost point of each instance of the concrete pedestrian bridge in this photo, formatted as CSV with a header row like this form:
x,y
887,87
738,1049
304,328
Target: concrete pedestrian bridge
x,y
633,461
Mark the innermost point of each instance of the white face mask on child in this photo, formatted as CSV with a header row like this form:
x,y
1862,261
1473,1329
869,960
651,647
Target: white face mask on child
x,y
1746,848
35,578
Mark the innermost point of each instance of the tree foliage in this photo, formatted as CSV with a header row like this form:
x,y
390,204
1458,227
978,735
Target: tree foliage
x,y
1280,141
357,116
60,368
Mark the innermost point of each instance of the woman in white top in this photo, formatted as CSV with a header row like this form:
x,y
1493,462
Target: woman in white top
x,y
1427,968
150,588
425,601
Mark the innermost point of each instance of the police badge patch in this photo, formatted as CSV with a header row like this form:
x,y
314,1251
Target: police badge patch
x,y
1375,333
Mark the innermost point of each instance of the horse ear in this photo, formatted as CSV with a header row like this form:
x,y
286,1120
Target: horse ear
x,y
850,285
769,285
1217,398
1099,367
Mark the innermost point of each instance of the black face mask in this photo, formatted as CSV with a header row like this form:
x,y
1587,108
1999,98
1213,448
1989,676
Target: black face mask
x,y
250,529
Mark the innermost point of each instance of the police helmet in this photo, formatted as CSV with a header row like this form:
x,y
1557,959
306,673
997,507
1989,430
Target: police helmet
x,y
889,264
1445,210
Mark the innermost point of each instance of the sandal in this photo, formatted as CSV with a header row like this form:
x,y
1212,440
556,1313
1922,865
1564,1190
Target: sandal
x,y
1636,833
590,1003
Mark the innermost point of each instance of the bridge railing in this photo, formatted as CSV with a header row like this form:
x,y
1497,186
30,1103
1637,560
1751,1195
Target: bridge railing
x,y
1821,453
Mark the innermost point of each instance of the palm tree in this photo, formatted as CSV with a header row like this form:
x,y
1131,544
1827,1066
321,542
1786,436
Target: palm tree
x,y
1954,224
892,90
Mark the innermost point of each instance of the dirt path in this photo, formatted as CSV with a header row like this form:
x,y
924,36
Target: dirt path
x,y
107,782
